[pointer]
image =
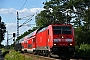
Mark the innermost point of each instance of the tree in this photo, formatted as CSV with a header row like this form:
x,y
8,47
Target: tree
x,y
78,8
62,11
54,13
87,18
2,31
82,35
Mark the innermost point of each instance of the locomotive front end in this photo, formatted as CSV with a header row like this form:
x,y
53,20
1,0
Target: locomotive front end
x,y
63,40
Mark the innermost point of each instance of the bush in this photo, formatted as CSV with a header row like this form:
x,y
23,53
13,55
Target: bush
x,y
84,50
85,47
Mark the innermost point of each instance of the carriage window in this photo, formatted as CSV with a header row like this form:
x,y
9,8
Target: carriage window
x,y
62,29
48,32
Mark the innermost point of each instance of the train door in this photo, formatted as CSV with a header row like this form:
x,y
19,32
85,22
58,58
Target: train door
x,y
34,42
30,43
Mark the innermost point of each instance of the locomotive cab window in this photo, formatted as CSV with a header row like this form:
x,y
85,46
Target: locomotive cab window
x,y
62,30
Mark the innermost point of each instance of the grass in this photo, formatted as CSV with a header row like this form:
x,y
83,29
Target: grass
x,y
13,55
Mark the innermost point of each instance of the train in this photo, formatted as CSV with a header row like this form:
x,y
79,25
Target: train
x,y
55,39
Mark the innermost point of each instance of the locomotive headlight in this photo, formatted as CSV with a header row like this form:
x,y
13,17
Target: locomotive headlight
x,y
69,40
57,40
54,44
70,44
62,36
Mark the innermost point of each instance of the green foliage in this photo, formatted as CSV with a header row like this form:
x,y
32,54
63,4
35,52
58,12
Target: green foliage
x,y
85,47
52,13
82,35
63,11
79,9
13,55
84,50
3,50
2,31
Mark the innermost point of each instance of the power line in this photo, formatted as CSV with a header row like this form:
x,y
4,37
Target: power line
x,y
25,17
23,4
27,20
23,23
20,9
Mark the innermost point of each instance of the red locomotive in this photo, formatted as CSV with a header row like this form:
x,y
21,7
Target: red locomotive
x,y
53,39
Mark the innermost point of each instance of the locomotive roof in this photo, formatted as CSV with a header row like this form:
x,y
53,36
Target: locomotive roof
x,y
32,33
45,27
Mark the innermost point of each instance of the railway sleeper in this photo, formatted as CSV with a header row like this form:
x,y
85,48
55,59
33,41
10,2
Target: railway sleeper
x,y
42,52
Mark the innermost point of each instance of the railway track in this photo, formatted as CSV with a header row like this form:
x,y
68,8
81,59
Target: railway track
x,y
55,57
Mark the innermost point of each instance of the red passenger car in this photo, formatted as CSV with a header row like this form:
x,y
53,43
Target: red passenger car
x,y
55,39
29,43
24,44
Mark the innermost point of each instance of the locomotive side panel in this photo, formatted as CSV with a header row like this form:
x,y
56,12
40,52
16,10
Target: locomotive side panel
x,y
50,36
42,39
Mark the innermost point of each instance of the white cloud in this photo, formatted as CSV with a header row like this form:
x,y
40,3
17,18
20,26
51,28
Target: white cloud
x,y
23,12
12,27
7,11
10,24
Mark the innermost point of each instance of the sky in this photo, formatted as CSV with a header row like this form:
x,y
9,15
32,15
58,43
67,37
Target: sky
x,y
8,12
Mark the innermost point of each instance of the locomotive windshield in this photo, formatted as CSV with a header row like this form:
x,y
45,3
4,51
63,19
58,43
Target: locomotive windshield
x,y
62,30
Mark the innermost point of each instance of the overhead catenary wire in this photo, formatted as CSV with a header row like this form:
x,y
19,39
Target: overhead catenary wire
x,y
23,4
20,9
26,16
10,38
27,21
